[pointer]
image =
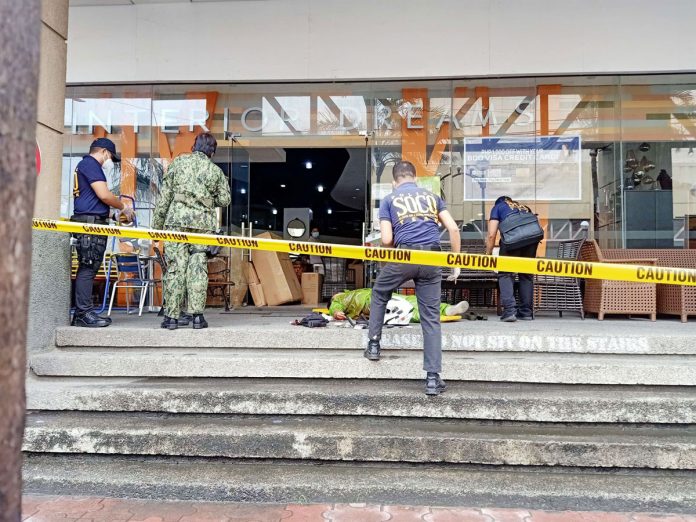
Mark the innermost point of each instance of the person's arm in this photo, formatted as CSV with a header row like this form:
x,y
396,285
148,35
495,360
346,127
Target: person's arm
x,y
387,232
166,196
223,197
455,239
102,191
451,225
337,308
492,235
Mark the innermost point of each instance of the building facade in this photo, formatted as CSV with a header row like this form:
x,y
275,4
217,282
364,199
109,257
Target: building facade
x,y
558,113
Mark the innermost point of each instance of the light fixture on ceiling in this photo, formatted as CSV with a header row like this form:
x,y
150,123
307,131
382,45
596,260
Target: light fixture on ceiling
x,y
242,191
282,185
308,164
274,211
357,189
320,188
329,211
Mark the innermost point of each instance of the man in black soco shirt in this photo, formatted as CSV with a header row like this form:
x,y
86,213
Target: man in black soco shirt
x,y
410,218
92,203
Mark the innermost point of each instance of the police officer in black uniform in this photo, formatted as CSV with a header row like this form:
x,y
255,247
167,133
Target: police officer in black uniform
x,y
93,200
410,218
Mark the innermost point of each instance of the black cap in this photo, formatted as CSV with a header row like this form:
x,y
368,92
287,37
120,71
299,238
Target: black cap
x,y
106,143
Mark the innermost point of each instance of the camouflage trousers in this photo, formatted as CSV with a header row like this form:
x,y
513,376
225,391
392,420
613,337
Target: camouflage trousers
x,y
186,278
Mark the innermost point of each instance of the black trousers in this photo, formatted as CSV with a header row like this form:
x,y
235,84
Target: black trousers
x,y
506,283
90,253
428,280
84,282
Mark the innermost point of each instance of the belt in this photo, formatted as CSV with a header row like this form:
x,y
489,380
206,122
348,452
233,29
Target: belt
x,y
183,198
86,218
434,248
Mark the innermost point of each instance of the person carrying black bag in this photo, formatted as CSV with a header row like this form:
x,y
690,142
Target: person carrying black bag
x,y
520,236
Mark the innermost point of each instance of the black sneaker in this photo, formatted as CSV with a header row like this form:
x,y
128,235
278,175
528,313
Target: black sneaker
x,y
185,319
170,323
107,319
372,350
90,320
434,385
525,317
508,318
199,322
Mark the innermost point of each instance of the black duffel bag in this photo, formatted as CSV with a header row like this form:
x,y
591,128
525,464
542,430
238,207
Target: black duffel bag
x,y
520,229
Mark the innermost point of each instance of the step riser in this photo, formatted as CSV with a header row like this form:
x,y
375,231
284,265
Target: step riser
x,y
492,340
278,483
410,403
362,447
590,371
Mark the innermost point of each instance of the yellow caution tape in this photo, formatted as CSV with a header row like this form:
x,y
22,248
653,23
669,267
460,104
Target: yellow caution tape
x,y
553,267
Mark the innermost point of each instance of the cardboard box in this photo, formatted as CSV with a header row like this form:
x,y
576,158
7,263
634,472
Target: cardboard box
x,y
358,267
257,294
277,275
238,294
250,273
311,288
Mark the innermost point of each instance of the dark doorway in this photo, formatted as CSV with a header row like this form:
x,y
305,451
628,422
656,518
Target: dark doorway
x,y
330,181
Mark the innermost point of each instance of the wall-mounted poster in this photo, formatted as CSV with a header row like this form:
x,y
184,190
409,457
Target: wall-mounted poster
x,y
546,168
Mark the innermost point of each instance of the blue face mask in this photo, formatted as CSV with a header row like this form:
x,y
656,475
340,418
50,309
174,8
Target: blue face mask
x,y
315,235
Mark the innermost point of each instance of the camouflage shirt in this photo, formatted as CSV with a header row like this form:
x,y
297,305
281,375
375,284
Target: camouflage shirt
x,y
192,189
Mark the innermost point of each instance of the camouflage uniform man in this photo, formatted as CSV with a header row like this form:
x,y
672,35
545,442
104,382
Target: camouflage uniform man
x,y
193,188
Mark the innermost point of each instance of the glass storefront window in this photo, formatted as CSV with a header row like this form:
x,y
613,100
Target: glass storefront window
x,y
613,155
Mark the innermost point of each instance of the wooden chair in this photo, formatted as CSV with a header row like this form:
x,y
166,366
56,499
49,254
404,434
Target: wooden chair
x,y
617,297
219,278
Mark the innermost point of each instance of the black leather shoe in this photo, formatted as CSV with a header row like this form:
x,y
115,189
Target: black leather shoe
x,y
170,323
434,385
199,322
90,320
185,319
107,319
372,350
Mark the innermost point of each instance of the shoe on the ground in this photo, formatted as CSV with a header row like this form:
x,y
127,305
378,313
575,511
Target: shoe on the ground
x,y
508,317
170,323
525,317
90,320
199,322
459,309
185,319
372,350
107,319
434,385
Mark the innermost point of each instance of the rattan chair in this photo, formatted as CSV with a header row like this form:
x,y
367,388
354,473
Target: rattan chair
x,y
560,293
671,299
617,297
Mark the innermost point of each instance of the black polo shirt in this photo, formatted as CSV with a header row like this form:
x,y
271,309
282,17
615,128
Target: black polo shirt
x,y
88,203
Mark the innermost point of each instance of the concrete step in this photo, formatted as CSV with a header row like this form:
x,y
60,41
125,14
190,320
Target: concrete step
x,y
492,336
362,439
667,370
281,482
377,398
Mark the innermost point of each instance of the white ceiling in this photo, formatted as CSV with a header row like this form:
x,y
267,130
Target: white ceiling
x,y
81,3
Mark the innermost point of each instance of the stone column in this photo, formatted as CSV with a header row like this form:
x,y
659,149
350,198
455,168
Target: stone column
x,y
49,304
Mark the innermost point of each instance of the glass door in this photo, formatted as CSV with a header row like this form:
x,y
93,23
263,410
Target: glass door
x,y
237,219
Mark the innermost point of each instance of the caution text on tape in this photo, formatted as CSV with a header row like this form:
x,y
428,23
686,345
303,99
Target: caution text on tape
x,y
555,267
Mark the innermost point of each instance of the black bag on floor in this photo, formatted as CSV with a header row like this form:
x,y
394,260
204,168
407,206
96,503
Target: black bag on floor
x,y
313,320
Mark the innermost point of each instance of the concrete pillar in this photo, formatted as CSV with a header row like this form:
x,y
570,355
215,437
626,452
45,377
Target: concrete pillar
x,y
50,281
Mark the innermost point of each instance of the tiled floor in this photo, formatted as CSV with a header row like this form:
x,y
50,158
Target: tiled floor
x,y
90,509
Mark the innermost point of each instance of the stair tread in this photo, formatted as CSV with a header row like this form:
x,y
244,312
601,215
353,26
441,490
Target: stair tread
x,y
224,480
332,426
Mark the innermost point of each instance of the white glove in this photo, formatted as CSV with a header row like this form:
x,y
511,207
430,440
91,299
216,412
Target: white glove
x,y
455,274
